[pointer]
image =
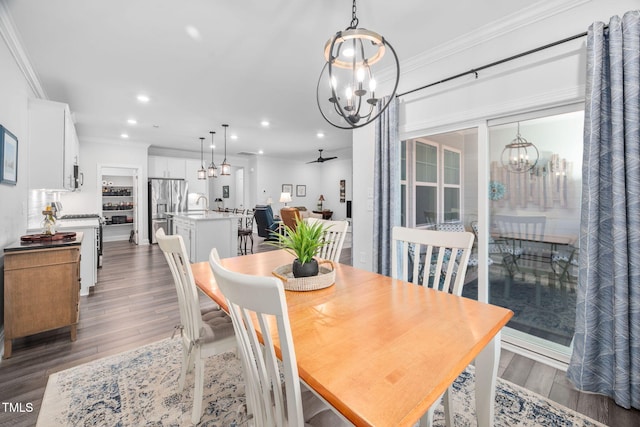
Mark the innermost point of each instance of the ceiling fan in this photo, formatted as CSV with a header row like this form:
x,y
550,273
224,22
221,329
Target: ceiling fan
x,y
322,159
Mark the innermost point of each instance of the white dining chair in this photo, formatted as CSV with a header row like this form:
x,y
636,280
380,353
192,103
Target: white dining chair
x,y
437,259
257,307
334,235
204,333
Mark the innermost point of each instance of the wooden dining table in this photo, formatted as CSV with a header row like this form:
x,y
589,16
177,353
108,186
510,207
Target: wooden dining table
x,y
382,351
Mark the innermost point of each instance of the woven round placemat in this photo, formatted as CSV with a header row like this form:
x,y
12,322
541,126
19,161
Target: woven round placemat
x,y
325,278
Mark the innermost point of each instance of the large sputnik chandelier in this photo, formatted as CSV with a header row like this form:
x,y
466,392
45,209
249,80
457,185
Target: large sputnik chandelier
x,y
520,155
347,93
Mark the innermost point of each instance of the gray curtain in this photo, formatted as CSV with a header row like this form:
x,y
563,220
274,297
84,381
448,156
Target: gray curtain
x,y
606,354
386,187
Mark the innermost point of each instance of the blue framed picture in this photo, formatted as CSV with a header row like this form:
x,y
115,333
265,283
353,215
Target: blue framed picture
x,y
8,157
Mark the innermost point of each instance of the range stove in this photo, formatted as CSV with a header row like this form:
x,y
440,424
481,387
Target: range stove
x,y
79,216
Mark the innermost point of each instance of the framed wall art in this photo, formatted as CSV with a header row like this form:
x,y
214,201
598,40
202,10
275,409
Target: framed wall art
x,y
287,188
225,191
8,157
301,191
343,186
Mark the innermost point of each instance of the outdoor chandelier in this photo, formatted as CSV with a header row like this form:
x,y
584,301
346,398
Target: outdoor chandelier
x,y
346,91
202,172
225,167
519,155
212,172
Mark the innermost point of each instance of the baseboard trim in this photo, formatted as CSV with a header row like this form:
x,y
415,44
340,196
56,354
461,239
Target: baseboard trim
x,y
556,363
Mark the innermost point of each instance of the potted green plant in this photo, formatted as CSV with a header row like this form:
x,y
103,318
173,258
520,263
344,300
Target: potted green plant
x,y
302,242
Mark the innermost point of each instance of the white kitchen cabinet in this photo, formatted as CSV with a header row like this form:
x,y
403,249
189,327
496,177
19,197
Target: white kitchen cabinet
x,y
201,233
53,146
185,228
166,167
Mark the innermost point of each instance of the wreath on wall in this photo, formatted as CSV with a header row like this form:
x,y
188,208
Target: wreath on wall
x,y
496,190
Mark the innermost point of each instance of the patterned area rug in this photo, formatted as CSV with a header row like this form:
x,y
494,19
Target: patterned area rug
x,y
542,309
140,387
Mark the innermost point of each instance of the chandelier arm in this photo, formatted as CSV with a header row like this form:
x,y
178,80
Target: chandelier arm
x,y
341,110
391,96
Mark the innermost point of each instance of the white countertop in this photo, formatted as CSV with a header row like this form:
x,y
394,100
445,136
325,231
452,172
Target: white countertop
x,y
69,224
205,216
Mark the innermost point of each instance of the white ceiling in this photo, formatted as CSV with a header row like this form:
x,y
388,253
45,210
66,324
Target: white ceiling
x,y
254,60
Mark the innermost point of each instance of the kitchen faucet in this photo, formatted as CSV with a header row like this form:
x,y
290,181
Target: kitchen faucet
x,y
206,202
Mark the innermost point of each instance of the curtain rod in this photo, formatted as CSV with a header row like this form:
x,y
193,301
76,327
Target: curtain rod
x,y
501,61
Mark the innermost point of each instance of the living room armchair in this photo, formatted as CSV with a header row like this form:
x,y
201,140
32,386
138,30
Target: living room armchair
x,y
265,222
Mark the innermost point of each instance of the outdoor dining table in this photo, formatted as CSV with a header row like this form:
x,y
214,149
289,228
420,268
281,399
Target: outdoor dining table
x,y
379,350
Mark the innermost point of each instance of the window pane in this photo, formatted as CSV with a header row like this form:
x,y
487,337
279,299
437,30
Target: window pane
x,y
452,204
426,163
451,167
426,206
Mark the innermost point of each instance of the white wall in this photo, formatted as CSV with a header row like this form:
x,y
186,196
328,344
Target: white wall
x,y
548,78
319,178
14,116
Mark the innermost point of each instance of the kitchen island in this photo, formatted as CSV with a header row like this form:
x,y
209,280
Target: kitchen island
x,y
204,230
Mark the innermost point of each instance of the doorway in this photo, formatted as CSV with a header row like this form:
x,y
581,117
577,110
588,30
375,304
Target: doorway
x,y
119,201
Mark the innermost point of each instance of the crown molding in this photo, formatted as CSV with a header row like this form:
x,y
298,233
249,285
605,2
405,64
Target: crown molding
x,y
536,12
12,40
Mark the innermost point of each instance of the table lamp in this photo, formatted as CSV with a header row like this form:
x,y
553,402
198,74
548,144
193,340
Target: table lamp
x,y
320,200
285,198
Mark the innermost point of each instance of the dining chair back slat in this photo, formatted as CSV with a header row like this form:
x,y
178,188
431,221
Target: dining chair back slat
x,y
334,236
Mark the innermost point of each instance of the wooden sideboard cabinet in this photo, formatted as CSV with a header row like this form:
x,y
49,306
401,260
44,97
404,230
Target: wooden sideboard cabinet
x,y
41,291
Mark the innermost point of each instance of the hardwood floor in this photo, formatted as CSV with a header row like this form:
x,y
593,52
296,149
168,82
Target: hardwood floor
x,y
134,303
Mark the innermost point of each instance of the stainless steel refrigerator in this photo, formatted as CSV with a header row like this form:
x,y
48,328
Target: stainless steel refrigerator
x,y
165,195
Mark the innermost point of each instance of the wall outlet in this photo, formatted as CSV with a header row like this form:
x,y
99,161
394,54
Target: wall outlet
x,y
363,257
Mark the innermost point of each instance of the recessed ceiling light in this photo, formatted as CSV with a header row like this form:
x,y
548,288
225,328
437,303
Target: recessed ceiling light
x,y
132,121
193,32
124,135
143,98
260,152
320,135
156,126
264,123
234,136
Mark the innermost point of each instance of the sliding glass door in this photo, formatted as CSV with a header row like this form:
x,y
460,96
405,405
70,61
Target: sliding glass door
x,y
535,169
523,207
